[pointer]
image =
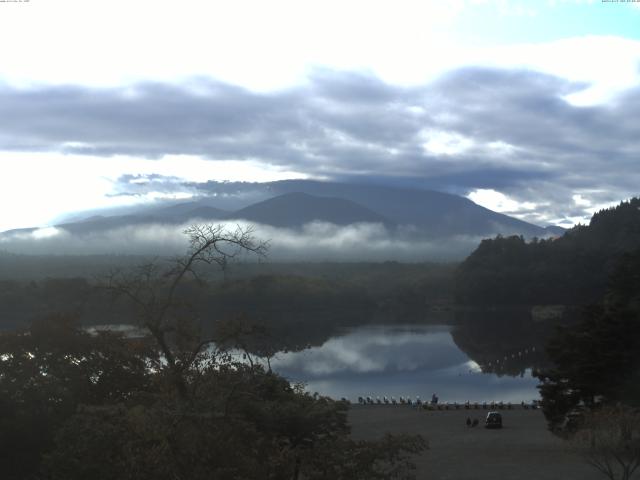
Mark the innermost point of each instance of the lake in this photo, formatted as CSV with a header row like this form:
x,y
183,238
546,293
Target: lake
x,y
482,357
408,360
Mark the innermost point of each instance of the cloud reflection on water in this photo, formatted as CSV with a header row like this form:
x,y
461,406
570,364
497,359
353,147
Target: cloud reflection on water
x,y
399,360
376,350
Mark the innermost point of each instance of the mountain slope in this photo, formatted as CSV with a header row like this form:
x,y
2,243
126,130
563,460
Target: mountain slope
x,y
296,209
190,210
175,214
439,214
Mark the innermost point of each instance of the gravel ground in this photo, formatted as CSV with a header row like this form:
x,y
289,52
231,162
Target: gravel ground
x,y
524,449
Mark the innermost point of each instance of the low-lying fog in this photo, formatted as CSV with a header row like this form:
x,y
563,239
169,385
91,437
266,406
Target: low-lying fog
x,y
316,241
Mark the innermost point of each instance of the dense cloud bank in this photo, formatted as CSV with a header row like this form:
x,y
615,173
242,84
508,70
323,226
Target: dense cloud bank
x,y
316,241
474,128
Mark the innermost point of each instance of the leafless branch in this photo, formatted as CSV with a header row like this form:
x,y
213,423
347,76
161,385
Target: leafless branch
x,y
153,290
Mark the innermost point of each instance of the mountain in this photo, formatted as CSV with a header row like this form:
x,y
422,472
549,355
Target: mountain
x,y
93,224
189,210
291,203
175,214
296,209
438,214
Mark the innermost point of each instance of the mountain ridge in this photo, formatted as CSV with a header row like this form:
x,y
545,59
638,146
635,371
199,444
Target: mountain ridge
x,y
292,203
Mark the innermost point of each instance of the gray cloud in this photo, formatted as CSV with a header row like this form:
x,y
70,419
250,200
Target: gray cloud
x,y
507,130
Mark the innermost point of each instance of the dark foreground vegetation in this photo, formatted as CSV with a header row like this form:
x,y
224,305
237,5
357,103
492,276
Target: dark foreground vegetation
x,y
596,361
168,405
79,406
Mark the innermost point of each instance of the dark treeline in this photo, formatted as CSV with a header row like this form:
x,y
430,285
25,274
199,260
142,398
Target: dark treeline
x,y
38,267
288,299
572,269
374,275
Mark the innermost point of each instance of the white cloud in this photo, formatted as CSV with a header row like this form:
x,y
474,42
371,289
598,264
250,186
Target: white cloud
x,y
40,186
271,45
46,232
593,200
499,202
259,44
439,142
580,201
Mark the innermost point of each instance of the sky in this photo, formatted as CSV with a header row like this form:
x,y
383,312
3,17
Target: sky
x,y
529,108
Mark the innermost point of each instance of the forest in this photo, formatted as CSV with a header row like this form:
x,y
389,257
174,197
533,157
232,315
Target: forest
x,y
569,270
271,293
595,360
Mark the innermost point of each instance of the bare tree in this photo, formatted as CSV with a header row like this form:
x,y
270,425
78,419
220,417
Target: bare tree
x,y
153,290
609,440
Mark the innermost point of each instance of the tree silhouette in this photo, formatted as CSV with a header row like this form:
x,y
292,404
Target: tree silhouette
x,y
153,290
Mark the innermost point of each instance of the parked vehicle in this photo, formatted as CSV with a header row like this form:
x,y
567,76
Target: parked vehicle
x,y
493,420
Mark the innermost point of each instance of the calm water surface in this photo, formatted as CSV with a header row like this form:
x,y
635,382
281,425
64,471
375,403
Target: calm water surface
x,y
400,361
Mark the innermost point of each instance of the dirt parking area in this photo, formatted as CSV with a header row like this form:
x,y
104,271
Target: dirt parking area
x,y
523,449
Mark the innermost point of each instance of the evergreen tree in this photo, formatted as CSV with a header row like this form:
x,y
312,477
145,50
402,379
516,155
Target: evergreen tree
x,y
596,361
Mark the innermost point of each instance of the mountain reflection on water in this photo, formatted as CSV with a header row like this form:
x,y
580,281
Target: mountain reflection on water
x,y
411,360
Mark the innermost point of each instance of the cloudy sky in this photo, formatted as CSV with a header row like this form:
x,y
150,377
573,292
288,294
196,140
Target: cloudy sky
x,y
527,107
